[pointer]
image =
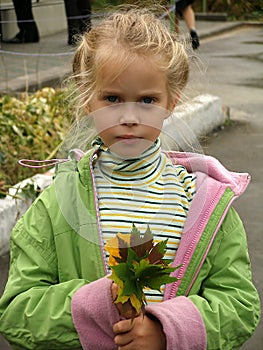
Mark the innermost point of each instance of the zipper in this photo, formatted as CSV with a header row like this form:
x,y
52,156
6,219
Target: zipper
x,y
209,245
203,222
93,157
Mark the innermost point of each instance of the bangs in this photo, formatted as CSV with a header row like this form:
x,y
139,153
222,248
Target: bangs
x,y
110,61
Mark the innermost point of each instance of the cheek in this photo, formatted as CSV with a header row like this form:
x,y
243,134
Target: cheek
x,y
153,133
104,119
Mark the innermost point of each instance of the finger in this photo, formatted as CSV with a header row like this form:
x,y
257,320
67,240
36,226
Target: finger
x,y
114,291
123,326
123,339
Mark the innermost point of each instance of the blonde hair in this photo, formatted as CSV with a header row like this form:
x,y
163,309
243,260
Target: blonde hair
x,y
118,40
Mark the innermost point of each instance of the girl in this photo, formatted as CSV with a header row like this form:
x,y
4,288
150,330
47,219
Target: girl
x,y
130,72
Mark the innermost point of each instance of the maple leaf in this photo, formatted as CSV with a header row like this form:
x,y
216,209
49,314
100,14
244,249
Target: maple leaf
x,y
116,247
141,244
157,253
138,264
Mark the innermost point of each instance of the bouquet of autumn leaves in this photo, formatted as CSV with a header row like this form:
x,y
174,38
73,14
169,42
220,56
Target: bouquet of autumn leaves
x,y
137,263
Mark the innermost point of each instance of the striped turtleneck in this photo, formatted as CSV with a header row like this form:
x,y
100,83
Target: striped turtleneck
x,y
149,190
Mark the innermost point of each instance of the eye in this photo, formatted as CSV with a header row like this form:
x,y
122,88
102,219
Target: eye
x,y
147,100
112,99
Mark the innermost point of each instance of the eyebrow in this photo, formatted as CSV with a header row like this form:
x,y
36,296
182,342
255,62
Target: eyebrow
x,y
143,93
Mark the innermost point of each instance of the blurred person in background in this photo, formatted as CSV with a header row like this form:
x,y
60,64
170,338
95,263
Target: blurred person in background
x,y
28,31
78,18
183,9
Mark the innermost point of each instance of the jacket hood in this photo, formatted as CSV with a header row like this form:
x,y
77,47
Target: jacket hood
x,y
207,166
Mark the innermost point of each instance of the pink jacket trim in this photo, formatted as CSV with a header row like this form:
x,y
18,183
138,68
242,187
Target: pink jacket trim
x,y
212,181
94,315
182,324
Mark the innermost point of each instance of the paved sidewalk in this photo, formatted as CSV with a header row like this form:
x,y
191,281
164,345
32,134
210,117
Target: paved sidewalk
x,y
31,66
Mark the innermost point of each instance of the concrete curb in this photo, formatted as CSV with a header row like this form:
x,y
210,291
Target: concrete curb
x,y
12,208
189,122
227,27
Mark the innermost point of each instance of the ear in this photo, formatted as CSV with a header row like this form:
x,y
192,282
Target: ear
x,y
173,103
88,109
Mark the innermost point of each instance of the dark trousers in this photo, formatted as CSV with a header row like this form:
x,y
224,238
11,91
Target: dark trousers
x,y
25,21
78,16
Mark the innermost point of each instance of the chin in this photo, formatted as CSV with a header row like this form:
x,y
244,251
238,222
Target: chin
x,y
129,150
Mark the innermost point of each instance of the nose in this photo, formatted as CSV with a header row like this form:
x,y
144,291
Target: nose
x,y
129,114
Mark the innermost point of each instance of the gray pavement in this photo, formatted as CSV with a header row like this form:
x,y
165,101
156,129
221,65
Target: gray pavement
x,y
230,66
232,69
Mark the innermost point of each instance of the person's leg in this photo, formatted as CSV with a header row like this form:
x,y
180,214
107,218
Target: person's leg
x,y
189,17
73,18
85,12
28,31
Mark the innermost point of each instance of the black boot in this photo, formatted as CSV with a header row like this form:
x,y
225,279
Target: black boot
x,y
194,39
24,37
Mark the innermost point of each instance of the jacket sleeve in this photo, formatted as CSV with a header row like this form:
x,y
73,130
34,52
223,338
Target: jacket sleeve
x,y
35,309
182,323
94,317
226,296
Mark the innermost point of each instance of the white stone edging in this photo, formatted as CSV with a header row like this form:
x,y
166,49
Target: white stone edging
x,y
198,117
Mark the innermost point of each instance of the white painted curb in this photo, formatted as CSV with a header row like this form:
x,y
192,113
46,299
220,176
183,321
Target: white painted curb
x,y
195,119
192,120
11,209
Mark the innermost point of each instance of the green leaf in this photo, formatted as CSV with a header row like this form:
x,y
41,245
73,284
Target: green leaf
x,y
153,276
124,273
132,256
157,281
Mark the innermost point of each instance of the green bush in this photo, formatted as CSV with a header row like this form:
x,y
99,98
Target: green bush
x,y
238,9
32,127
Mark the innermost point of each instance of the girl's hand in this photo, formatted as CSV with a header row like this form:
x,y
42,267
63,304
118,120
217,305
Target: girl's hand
x,y
144,333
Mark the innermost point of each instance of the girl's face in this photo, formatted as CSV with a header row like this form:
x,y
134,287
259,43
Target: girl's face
x,y
129,111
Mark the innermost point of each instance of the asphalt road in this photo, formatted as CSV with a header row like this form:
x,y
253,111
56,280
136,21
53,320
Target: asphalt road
x,y
231,67
233,70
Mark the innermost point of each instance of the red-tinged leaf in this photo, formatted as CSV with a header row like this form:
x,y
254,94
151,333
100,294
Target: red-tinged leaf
x,y
142,244
123,248
158,251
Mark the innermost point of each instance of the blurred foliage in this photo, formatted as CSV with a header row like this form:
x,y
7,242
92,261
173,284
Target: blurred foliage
x,y
105,4
32,127
238,9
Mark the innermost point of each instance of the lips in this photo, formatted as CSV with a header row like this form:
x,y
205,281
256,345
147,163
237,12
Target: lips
x,y
128,139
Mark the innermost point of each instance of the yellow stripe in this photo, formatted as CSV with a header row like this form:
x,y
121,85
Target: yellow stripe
x,y
150,180
143,215
118,228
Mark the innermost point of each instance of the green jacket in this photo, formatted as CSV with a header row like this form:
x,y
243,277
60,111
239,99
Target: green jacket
x,y
56,249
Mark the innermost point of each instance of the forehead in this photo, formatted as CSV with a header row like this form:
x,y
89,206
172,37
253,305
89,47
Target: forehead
x,y
123,65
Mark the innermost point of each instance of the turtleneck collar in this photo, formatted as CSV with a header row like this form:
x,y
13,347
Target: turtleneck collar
x,y
115,168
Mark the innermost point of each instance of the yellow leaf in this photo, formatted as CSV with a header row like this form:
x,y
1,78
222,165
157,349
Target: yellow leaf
x,y
113,248
135,302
